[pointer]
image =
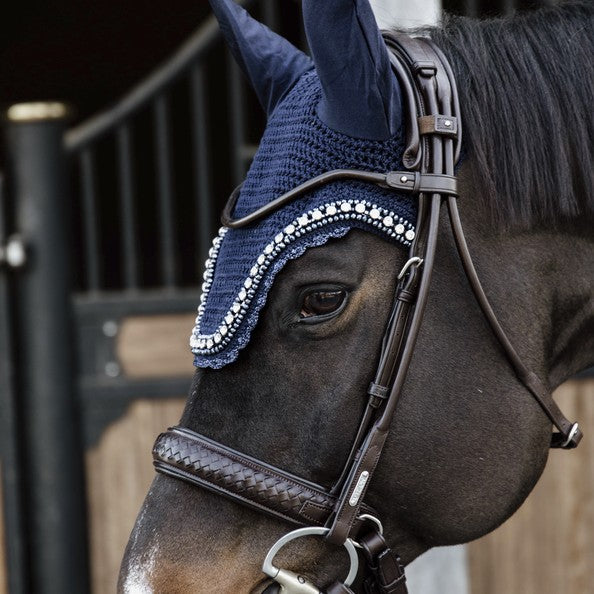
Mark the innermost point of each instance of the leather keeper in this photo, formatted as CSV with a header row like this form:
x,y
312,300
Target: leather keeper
x,y
413,181
438,124
377,390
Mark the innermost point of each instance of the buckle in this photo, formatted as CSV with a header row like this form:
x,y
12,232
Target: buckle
x,y
567,441
414,261
574,438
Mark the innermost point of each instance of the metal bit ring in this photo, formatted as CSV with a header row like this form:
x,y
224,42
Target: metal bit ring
x,y
272,571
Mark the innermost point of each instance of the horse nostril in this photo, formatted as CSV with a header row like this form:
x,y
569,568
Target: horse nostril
x,y
272,589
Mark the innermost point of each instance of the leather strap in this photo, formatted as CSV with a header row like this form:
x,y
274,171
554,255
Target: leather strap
x,y
405,181
569,435
405,322
386,573
184,454
422,182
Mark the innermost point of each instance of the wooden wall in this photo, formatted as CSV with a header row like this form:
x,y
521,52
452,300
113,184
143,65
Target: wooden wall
x,y
119,472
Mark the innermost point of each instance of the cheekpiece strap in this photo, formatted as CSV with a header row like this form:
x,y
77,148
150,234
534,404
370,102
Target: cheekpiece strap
x,y
429,89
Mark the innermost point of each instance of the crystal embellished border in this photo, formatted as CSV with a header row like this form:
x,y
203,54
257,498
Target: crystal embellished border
x,y
382,219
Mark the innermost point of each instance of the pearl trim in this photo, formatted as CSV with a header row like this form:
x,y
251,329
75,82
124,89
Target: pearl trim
x,y
383,220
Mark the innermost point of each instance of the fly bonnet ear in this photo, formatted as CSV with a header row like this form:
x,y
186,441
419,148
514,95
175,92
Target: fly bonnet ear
x,y
342,114
361,96
270,62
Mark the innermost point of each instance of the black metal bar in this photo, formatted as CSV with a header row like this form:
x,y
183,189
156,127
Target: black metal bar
x,y
236,102
148,301
90,216
270,14
202,181
127,197
471,8
303,43
9,439
193,49
51,456
165,191
508,6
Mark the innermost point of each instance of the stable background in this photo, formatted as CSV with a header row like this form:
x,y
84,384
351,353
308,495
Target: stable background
x,y
141,218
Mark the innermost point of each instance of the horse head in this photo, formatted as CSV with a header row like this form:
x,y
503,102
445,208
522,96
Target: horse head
x,y
296,303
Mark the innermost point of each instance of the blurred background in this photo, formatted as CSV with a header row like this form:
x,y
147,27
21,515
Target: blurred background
x,y
107,209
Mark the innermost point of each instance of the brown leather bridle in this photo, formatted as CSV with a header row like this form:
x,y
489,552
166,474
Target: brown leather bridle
x,y
434,135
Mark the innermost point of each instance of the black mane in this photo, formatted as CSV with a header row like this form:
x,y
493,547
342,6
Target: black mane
x,y
526,88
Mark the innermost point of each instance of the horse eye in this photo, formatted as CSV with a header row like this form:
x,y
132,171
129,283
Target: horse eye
x,y
321,303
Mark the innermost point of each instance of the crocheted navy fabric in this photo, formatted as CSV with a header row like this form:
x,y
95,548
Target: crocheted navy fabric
x,y
242,263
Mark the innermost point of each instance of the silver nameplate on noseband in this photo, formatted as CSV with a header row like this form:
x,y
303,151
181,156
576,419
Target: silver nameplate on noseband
x,y
359,488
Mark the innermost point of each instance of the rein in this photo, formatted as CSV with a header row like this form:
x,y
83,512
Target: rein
x,y
434,135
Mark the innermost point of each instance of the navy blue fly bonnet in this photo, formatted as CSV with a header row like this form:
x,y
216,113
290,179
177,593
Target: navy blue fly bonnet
x,y
340,111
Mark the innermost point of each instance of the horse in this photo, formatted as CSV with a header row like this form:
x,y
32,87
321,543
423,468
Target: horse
x,y
467,442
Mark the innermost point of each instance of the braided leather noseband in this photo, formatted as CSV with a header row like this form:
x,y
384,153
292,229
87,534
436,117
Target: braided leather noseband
x,y
433,148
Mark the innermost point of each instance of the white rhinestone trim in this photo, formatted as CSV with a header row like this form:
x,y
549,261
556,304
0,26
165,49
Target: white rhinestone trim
x,y
343,210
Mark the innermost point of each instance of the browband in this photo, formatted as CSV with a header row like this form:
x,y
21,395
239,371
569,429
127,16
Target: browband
x,y
405,181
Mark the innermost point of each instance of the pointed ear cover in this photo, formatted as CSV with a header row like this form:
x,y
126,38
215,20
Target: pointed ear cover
x,y
271,63
361,97
296,146
344,116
